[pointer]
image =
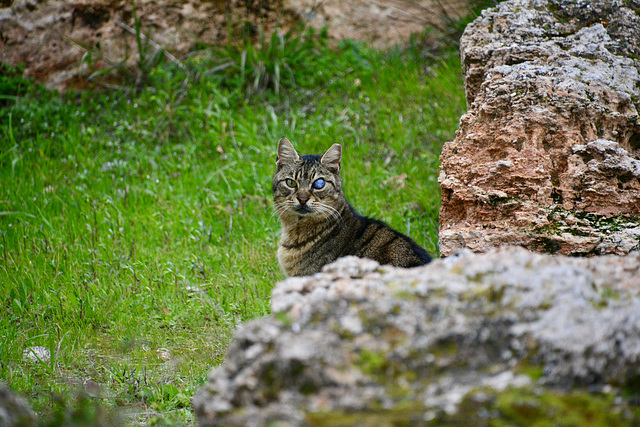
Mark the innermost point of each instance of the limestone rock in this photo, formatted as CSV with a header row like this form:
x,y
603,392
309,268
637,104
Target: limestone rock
x,y
548,154
14,410
369,340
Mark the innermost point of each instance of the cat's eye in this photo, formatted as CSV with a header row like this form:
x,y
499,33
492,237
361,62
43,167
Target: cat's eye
x,y
318,184
291,183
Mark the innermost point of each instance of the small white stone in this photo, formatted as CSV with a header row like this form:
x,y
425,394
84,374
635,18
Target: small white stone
x,y
36,354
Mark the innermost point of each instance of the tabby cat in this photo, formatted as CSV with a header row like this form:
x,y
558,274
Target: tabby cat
x,y
319,225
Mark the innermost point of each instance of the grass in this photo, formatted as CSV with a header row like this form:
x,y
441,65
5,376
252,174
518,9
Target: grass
x,y
136,228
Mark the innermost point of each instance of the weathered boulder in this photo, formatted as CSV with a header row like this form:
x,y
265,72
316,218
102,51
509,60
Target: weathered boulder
x,y
14,410
548,155
411,345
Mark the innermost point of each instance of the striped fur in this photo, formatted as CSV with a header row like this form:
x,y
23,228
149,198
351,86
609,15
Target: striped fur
x,y
319,225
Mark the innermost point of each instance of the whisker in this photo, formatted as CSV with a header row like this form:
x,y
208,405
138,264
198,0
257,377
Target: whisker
x,y
322,209
333,210
329,211
278,209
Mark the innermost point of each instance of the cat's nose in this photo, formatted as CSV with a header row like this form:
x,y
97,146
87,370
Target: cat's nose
x,y
302,199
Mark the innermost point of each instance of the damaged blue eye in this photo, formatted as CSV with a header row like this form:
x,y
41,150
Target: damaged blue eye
x,y
318,184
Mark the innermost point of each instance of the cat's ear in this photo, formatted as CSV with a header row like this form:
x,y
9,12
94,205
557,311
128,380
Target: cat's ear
x,y
286,153
331,159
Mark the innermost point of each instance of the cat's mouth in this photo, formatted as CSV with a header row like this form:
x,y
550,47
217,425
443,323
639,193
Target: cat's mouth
x,y
301,209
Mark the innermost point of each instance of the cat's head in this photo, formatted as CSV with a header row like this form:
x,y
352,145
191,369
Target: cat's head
x,y
307,185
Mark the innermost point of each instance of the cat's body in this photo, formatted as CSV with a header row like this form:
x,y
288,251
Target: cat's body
x,y
319,225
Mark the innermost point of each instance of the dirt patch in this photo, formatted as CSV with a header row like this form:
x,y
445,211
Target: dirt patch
x,y
62,42
379,23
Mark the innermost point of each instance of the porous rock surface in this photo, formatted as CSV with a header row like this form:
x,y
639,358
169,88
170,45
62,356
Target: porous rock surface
x,y
548,154
14,410
360,338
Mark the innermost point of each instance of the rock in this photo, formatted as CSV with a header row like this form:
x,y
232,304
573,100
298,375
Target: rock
x,y
14,410
369,340
37,354
548,155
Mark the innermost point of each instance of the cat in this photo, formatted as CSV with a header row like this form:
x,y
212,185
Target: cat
x,y
318,223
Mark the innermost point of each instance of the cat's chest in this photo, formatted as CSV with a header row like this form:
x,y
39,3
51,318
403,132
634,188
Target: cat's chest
x,y
296,253
290,260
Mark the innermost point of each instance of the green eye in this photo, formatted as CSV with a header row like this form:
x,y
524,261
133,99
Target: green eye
x,y
291,183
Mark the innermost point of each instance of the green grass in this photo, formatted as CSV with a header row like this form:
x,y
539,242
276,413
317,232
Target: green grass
x,y
137,223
